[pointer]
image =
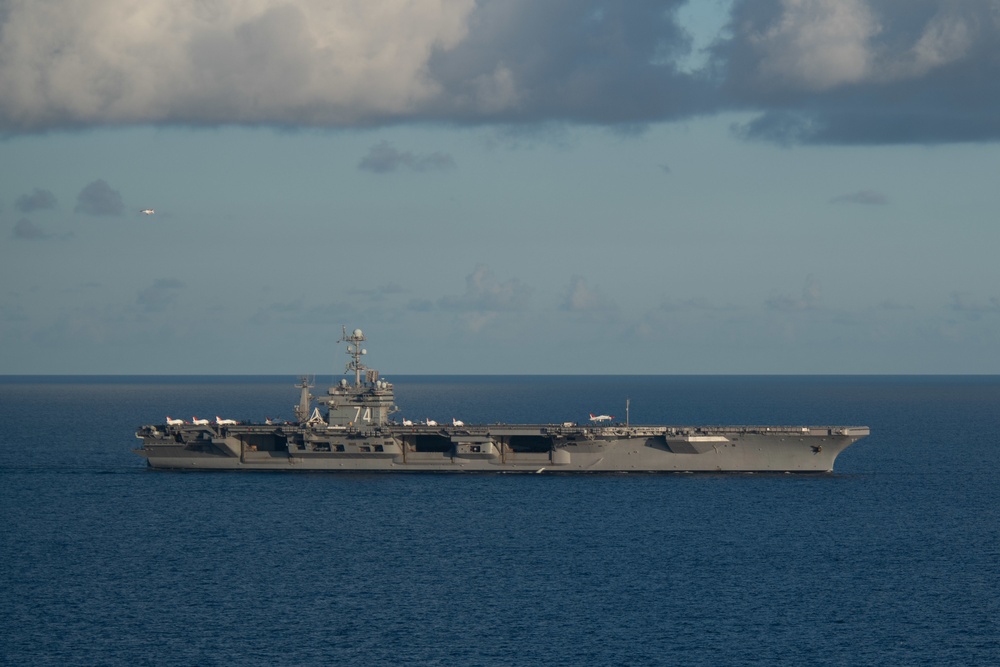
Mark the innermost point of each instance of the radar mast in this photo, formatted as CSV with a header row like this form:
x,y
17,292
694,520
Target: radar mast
x,y
355,351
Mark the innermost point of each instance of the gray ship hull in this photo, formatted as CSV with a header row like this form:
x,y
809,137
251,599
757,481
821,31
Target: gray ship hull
x,y
506,448
350,430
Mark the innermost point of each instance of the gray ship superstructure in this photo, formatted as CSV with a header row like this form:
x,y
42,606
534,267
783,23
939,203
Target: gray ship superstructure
x,y
349,429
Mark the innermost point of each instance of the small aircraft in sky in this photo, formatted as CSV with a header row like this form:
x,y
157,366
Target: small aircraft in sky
x,y
147,211
601,418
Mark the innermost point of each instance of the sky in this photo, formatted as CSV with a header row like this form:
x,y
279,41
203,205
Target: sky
x,y
500,186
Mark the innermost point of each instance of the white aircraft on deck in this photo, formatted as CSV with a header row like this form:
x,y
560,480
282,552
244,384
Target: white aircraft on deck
x,y
174,422
430,422
457,422
225,422
199,422
601,418
407,422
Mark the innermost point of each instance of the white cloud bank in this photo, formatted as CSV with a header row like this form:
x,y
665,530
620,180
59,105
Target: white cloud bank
x,y
825,71
864,71
219,61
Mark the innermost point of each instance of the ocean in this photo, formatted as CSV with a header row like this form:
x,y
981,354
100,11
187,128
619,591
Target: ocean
x,y
894,559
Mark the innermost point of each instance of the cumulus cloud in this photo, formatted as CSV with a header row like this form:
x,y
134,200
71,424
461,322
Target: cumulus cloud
x,y
581,298
484,293
27,230
162,293
485,298
611,62
98,198
210,62
37,200
384,158
864,71
810,298
820,71
339,63
867,197
809,45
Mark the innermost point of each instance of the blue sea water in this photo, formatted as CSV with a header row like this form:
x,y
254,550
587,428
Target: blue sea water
x,y
892,560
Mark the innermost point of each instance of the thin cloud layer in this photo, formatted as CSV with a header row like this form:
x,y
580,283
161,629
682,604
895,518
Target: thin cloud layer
x,y
963,303
384,158
819,71
158,296
866,197
37,200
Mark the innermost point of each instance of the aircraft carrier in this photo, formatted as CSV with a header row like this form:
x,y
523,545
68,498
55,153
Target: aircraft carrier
x,y
350,430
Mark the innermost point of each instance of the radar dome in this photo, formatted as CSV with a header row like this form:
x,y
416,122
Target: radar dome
x,y
357,333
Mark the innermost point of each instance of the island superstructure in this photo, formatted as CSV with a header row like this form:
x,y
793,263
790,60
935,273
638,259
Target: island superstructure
x,y
350,429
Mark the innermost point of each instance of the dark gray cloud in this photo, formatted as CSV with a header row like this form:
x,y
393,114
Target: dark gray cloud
x,y
98,198
813,71
867,197
599,62
27,230
383,158
37,200
162,293
864,71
